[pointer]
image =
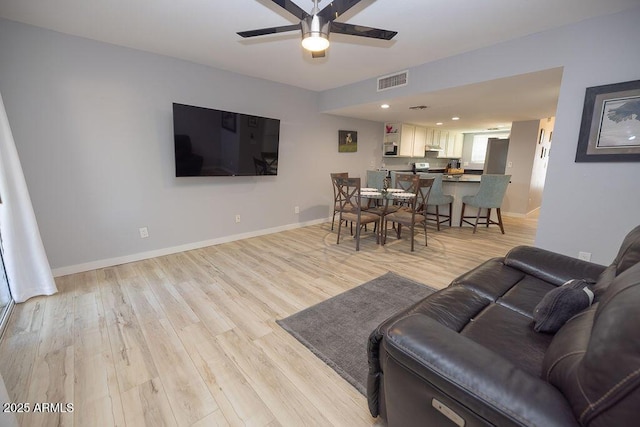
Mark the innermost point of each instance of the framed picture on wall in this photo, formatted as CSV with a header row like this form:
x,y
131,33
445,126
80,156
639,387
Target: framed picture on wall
x,y
229,121
610,128
347,141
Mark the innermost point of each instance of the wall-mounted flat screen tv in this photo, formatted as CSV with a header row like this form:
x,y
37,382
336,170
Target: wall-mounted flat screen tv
x,y
212,142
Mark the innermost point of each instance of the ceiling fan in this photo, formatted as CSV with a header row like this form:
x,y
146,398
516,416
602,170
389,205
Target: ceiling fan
x,y
317,24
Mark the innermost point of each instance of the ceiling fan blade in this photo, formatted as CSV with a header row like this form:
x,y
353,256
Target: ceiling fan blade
x,y
292,8
272,30
362,31
337,8
319,54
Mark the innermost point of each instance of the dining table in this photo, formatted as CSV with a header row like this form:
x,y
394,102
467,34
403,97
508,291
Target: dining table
x,y
381,197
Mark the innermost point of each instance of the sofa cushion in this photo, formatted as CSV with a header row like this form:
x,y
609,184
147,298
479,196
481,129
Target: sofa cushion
x,y
491,279
561,304
550,266
509,334
453,306
524,295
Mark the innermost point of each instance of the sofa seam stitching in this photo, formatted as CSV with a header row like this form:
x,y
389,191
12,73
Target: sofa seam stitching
x,y
591,406
560,359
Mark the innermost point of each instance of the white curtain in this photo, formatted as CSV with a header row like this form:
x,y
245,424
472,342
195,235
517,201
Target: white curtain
x,y
25,260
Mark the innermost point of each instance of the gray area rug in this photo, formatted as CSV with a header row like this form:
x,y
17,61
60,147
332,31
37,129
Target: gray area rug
x,y
337,330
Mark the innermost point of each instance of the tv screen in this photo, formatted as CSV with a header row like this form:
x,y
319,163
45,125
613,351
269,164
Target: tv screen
x,y
212,142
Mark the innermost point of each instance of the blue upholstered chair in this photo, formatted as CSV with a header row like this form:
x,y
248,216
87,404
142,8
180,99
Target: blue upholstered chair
x,y
375,179
489,196
436,199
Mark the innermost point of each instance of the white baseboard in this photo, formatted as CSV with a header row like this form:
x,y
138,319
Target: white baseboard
x,y
93,265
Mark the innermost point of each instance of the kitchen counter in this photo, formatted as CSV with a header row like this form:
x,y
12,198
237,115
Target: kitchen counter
x,y
459,186
461,178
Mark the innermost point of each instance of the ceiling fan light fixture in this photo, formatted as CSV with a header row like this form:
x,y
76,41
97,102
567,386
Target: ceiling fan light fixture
x,y
315,33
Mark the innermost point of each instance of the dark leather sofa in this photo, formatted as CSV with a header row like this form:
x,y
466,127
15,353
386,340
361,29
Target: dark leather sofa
x,y
468,354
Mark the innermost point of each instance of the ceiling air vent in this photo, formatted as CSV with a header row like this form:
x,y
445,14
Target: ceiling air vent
x,y
393,80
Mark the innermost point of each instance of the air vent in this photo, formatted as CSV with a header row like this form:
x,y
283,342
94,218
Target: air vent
x,y
393,80
418,107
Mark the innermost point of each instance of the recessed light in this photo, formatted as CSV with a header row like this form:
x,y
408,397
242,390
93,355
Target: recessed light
x,y
632,137
439,124
455,118
385,106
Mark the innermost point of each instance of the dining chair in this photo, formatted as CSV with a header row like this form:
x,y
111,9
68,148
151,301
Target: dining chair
x,y
414,213
489,196
350,208
402,181
437,198
336,194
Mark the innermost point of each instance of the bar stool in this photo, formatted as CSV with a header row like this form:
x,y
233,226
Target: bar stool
x,y
437,198
489,196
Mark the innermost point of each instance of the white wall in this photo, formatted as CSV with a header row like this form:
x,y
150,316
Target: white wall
x,y
586,206
540,163
94,131
522,147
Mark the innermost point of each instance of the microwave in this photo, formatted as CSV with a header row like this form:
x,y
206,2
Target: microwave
x,y
390,149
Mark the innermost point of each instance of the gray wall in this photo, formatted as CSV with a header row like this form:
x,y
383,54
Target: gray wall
x,y
585,207
93,127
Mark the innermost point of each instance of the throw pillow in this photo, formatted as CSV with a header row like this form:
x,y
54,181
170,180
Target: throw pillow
x,y
561,304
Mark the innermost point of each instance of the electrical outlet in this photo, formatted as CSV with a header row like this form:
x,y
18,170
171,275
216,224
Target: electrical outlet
x,y
510,164
144,232
585,256
296,209
237,218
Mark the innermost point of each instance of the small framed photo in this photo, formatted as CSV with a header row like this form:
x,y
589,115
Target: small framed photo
x,y
229,121
347,141
610,128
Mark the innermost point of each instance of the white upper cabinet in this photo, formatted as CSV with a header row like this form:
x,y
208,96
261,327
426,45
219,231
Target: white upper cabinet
x,y
406,140
419,141
452,147
407,133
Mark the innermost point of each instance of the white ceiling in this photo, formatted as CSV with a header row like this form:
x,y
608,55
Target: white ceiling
x,y
204,32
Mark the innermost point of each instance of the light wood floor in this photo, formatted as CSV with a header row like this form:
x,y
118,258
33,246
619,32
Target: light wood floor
x,y
191,340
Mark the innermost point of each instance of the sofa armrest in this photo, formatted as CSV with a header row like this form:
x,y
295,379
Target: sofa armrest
x,y
473,375
550,266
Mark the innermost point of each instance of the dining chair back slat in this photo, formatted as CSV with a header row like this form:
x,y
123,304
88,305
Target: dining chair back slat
x,y
336,194
349,190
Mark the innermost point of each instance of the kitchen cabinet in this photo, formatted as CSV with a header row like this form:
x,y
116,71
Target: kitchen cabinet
x,y
419,142
452,148
407,140
407,133
404,140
